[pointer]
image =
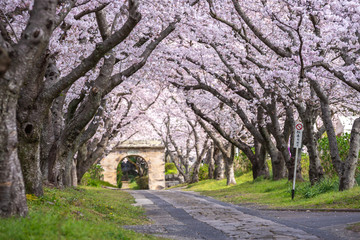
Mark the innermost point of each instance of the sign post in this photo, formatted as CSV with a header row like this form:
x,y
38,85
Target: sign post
x,y
297,144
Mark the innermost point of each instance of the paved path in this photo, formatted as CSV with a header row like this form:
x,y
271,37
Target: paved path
x,y
189,216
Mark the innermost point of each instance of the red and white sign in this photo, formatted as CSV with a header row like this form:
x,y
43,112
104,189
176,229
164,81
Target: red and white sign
x,y
299,126
298,134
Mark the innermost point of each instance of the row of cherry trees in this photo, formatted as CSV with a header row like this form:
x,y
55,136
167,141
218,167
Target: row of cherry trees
x,y
269,64
189,142
61,65
77,74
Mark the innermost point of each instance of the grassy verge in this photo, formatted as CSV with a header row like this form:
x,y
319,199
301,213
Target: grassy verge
x,y
277,194
82,213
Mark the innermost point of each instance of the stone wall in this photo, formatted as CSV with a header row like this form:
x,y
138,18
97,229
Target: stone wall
x,y
153,154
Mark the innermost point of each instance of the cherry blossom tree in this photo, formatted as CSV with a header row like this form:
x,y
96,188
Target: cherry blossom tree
x,y
249,70
53,35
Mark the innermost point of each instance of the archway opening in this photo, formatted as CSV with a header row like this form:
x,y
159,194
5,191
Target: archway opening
x,y
132,172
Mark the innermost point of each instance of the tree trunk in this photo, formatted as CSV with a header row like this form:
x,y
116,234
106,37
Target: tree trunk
x,y
12,190
229,166
211,163
46,141
61,157
347,179
26,56
316,172
195,172
29,154
277,162
219,172
53,124
74,179
259,164
81,162
280,136
326,118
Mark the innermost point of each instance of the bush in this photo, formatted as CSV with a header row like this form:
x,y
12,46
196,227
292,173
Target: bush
x,y
170,168
142,182
325,185
88,181
343,142
93,177
204,172
95,172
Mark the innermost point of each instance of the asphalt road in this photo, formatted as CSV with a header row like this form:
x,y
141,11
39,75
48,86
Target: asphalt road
x,y
189,216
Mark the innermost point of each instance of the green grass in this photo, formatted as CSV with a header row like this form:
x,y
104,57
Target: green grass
x,y
83,213
277,194
134,186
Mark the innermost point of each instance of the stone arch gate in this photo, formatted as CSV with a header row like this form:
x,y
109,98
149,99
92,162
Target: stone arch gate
x,y
153,152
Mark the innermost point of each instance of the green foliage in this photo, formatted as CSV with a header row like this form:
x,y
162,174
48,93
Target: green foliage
x,y
170,168
93,177
325,185
76,213
88,181
305,164
142,182
242,163
119,175
95,172
132,178
204,172
343,142
238,172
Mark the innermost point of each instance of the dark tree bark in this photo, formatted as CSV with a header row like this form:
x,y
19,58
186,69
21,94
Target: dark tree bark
x,y
229,165
345,170
50,133
227,152
347,179
12,190
36,98
210,161
23,59
219,164
258,161
316,172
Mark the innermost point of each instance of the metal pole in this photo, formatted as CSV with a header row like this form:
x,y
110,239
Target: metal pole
x,y
294,178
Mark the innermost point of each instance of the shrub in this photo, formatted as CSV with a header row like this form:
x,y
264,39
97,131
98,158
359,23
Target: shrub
x,y
170,168
242,163
88,181
119,175
343,142
93,177
142,182
204,172
325,185
95,172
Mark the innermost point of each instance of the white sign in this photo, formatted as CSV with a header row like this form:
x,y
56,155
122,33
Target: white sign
x,y
298,134
297,144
